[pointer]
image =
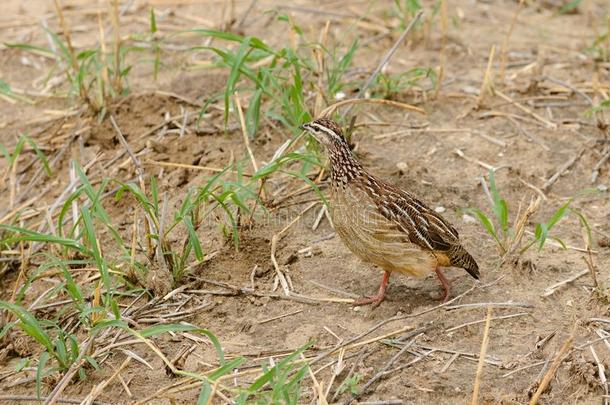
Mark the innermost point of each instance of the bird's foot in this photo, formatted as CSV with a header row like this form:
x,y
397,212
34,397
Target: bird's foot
x,y
375,300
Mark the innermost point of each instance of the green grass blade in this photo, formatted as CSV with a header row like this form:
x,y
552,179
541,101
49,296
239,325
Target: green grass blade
x,y
41,156
33,236
193,238
6,153
240,57
153,21
204,394
226,368
487,224
29,324
42,361
32,49
89,232
8,92
560,213
253,113
584,223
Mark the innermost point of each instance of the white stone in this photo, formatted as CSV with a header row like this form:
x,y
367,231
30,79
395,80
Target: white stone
x,y
469,219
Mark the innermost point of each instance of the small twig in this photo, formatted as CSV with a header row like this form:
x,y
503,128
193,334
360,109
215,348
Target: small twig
x,y
491,304
526,110
551,289
538,363
279,317
546,380
331,108
570,87
601,373
355,364
598,165
504,51
566,166
76,365
98,388
484,320
472,160
244,131
184,121
35,399
487,83
193,167
449,362
527,134
482,355
274,241
134,159
381,372
335,290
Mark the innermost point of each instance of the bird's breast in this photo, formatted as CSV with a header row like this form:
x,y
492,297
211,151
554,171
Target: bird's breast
x,y
374,238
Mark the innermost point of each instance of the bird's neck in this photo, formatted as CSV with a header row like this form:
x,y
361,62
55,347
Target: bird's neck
x,y
344,166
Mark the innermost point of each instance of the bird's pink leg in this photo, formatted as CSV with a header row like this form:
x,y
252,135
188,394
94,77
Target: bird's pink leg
x,y
376,299
444,282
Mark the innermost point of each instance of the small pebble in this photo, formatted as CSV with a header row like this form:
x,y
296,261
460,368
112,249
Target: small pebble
x,y
440,209
357,309
468,219
339,95
602,187
470,90
402,166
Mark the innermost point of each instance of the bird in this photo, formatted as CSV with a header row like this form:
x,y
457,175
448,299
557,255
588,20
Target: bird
x,y
384,225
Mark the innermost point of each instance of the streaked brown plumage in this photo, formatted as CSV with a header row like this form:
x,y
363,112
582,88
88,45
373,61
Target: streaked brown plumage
x,y
384,225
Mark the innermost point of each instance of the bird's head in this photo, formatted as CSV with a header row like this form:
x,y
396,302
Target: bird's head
x,y
326,131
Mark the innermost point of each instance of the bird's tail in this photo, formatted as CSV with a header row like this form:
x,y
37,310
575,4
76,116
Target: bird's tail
x,y
461,258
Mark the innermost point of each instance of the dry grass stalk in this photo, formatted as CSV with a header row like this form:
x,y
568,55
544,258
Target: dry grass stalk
x,y
99,388
274,241
318,54
103,51
526,110
566,166
602,374
520,223
192,167
117,45
546,380
483,353
244,131
78,363
485,320
332,108
487,85
383,370
318,386
551,289
73,59
504,51
442,58
589,258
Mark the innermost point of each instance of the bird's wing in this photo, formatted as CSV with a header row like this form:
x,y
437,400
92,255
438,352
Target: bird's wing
x,y
422,225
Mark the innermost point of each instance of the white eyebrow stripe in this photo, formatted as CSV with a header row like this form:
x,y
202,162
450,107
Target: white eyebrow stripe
x,y
323,128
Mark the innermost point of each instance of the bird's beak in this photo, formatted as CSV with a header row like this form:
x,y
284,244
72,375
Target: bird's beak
x,y
302,127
